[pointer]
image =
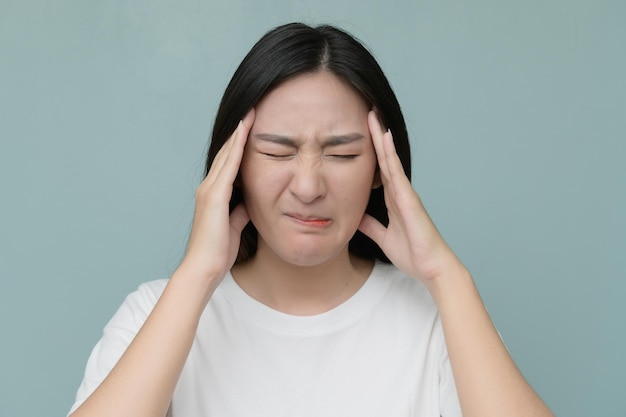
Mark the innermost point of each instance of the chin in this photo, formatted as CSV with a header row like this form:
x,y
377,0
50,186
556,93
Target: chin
x,y
307,259
308,256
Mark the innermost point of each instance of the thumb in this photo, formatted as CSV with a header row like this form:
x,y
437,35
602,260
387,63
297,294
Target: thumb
x,y
373,229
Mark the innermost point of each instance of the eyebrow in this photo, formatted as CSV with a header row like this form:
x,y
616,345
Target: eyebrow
x,y
333,140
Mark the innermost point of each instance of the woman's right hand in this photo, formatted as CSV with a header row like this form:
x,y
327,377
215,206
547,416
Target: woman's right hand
x,y
142,381
215,235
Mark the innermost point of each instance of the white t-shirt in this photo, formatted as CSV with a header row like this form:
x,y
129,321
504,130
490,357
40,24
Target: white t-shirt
x,y
380,353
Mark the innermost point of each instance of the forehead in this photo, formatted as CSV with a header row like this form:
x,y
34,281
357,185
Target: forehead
x,y
311,104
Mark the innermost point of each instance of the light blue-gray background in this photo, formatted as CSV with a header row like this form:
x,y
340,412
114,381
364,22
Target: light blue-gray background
x,y
517,112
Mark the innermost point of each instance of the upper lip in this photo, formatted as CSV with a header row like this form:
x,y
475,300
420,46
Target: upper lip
x,y
306,217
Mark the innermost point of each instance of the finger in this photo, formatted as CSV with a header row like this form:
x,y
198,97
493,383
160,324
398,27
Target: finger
x,y
373,229
378,138
220,158
235,154
395,170
376,131
393,177
231,152
248,119
390,177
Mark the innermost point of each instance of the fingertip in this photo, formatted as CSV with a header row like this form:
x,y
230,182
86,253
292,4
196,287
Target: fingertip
x,y
375,122
388,136
385,134
244,126
372,117
249,118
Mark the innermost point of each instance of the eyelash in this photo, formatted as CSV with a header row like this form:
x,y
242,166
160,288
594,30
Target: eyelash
x,y
271,155
346,157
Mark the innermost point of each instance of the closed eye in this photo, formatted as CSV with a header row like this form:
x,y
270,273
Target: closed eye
x,y
343,156
277,156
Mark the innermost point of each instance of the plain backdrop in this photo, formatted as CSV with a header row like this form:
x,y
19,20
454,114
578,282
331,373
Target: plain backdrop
x,y
517,117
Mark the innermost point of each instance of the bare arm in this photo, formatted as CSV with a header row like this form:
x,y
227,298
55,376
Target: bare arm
x,y
488,382
142,382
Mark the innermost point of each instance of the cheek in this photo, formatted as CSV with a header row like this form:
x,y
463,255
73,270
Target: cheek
x,y
362,174
251,168
260,180
356,184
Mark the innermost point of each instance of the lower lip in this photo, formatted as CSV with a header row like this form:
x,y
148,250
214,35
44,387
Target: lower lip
x,y
317,223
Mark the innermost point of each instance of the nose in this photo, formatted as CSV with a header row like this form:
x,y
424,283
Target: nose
x,y
307,182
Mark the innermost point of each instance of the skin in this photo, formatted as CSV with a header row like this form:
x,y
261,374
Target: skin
x,y
142,382
488,381
307,171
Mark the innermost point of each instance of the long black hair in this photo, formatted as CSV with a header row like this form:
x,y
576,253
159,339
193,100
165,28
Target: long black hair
x,y
285,52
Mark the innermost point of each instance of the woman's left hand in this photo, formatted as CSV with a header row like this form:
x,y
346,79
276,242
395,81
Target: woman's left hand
x,y
411,240
486,378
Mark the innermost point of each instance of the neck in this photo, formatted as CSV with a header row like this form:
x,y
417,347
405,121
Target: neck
x,y
301,290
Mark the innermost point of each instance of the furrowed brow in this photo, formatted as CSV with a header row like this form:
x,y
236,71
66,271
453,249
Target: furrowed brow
x,y
278,139
343,139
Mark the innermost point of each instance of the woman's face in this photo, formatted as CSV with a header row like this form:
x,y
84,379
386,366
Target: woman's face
x,y
308,168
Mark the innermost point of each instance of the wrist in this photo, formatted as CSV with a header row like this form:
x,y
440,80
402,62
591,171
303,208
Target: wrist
x,y
198,280
450,282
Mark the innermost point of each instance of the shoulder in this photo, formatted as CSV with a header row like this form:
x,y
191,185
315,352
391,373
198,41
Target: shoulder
x,y
404,303
403,288
149,291
139,304
147,294
408,316
117,335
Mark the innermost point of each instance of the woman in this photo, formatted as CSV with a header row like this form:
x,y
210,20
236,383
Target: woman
x,y
314,282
